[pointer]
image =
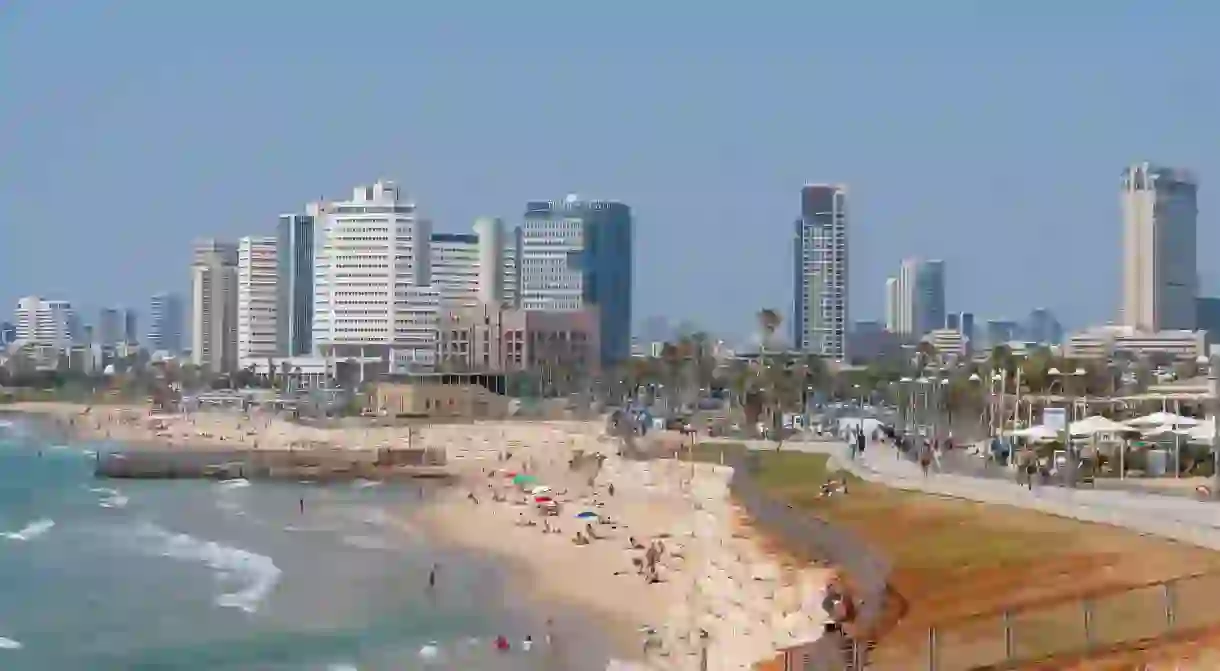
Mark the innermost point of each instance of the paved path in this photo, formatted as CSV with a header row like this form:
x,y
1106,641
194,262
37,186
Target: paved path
x,y
1190,521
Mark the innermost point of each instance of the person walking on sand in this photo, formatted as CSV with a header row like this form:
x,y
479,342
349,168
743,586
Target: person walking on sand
x,y
302,505
432,576
925,459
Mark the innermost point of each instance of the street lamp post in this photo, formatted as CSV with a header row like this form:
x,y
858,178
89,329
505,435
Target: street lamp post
x,y
1070,470
908,403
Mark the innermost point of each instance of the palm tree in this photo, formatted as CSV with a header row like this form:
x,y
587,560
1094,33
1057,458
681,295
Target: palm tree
x,y
769,320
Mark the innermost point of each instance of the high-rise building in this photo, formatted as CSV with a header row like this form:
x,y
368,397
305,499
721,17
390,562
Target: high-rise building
x,y
214,306
493,270
131,326
46,322
1160,281
8,334
930,297
165,323
1042,327
918,297
1000,331
892,297
820,309
257,279
294,251
372,283
953,322
578,254
966,326
109,327
455,268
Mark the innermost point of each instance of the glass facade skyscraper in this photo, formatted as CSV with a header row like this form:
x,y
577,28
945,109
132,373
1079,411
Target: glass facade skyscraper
x,y
294,284
577,254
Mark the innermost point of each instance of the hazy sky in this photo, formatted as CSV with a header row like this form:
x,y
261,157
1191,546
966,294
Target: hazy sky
x,y
989,134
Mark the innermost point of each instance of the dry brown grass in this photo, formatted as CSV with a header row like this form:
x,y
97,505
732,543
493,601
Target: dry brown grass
x,y
959,565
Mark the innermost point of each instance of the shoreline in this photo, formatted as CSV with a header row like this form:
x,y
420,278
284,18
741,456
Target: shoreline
x,y
716,575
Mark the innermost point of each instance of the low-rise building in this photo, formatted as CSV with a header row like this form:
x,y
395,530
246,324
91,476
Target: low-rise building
x,y
441,395
491,337
1108,341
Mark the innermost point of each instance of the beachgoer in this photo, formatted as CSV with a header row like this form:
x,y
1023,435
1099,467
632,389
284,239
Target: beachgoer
x,y
432,576
527,644
302,505
501,643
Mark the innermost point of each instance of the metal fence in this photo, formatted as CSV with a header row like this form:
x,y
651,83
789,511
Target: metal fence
x,y
1080,626
815,538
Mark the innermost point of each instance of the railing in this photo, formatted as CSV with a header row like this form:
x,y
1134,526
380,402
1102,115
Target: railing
x,y
815,538
1082,625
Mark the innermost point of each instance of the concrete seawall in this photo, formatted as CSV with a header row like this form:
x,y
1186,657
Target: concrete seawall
x,y
223,464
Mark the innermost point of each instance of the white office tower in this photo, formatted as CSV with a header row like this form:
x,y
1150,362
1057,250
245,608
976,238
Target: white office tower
x,y
1160,269
491,263
820,274
214,306
455,268
373,297
257,279
45,322
891,304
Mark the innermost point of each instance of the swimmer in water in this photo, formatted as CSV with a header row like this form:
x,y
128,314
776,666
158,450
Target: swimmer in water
x,y
302,503
432,576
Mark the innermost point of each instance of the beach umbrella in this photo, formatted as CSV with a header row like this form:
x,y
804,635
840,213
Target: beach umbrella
x,y
542,499
586,515
540,489
524,479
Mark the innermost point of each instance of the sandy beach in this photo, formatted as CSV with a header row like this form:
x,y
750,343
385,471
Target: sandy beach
x,y
712,576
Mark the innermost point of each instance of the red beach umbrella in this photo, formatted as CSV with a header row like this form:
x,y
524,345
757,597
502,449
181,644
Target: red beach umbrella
x,y
542,499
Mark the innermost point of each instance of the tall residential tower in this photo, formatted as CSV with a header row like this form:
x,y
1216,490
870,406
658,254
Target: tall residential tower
x,y
214,306
256,299
1160,281
820,309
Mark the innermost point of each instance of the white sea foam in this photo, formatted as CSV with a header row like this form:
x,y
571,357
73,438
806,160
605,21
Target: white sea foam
x,y
111,498
233,483
30,531
9,644
256,574
430,652
364,484
341,667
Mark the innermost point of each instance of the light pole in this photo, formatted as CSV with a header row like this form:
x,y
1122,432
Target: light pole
x,y
908,403
1072,461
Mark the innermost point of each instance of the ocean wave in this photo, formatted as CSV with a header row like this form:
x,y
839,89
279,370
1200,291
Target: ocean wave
x,y
30,531
365,484
257,574
341,667
620,665
111,498
233,483
9,644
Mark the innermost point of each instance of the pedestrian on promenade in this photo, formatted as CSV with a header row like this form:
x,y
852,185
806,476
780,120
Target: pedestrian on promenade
x,y
860,443
925,458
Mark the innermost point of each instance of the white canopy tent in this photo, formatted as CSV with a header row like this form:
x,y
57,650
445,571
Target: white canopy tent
x,y
1161,418
1090,426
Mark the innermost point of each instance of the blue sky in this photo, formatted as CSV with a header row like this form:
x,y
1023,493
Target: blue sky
x,y
988,134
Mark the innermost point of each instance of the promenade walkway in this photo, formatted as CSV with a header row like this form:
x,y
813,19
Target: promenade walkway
x,y
1186,520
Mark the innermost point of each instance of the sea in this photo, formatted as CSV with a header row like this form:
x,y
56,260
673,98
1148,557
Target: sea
x,y
132,575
